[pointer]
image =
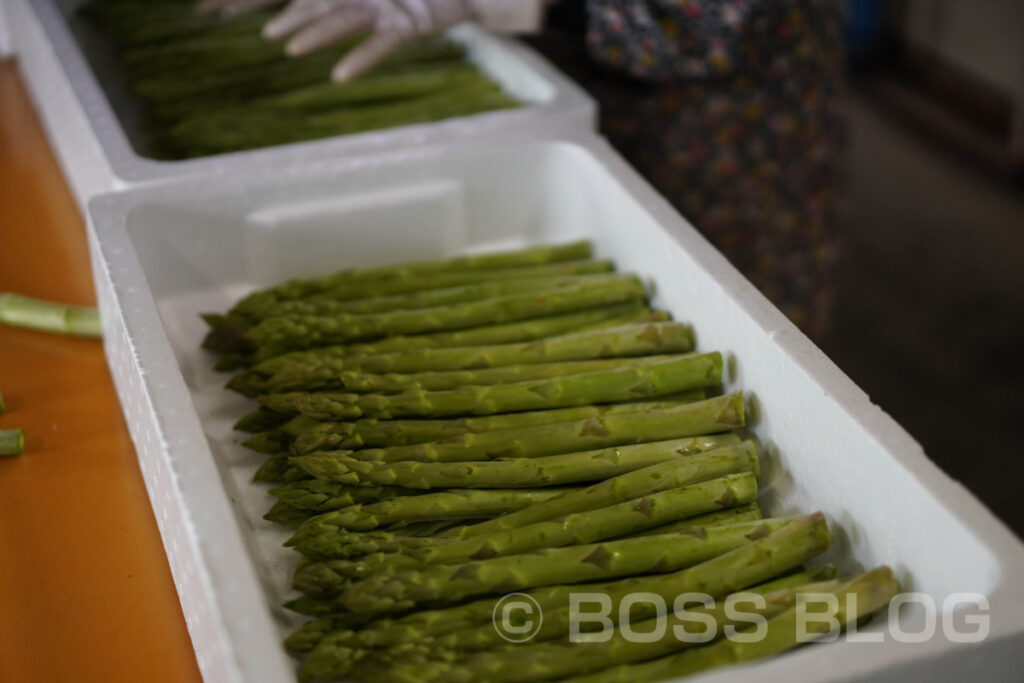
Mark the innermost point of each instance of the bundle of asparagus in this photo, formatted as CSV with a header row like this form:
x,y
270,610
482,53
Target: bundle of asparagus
x,y
519,421
212,84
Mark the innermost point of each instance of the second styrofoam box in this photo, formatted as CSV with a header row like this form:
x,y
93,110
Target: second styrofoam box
x,y
76,85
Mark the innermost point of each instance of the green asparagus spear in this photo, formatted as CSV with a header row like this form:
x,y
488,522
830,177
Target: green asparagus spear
x,y
449,504
528,330
429,298
277,470
855,599
12,442
512,471
549,660
642,513
468,626
286,515
369,383
298,288
3,406
273,336
641,380
710,416
261,420
371,433
319,537
741,513
617,342
542,567
323,496
21,311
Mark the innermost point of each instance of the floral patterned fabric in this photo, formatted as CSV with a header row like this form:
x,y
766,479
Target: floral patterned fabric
x,y
729,108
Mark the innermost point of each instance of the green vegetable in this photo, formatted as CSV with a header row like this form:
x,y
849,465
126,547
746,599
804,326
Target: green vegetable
x,y
251,381
469,626
372,433
645,379
433,368
273,336
866,594
371,596
22,311
12,441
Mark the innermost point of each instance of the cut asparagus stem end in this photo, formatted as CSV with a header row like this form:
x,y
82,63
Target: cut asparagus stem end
x,y
12,442
46,316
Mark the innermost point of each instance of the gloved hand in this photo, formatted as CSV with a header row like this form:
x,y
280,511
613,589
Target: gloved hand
x,y
313,24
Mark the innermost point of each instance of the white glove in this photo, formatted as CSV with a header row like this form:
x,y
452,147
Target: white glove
x,y
313,24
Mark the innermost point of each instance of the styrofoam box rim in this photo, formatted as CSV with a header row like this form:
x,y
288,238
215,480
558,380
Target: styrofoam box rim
x,y
228,615
565,107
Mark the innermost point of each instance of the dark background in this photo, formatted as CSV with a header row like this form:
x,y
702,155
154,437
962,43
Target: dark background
x,y
929,318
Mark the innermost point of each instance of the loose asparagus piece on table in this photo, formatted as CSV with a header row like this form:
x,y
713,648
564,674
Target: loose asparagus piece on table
x,y
273,336
461,627
719,414
589,527
372,433
866,593
46,316
12,441
642,380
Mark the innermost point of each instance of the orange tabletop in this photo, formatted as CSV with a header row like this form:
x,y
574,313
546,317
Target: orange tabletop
x,y
85,590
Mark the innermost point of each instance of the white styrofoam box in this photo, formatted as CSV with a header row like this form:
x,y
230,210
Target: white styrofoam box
x,y
167,253
89,116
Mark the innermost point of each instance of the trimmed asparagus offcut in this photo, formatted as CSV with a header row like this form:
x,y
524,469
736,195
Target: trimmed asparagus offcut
x,y
642,380
866,594
46,316
460,627
12,442
371,433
